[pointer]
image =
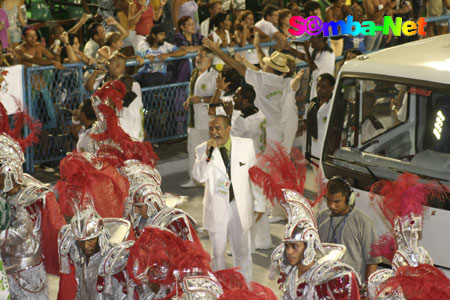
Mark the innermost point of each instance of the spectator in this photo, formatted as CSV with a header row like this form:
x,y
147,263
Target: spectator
x,y
202,87
437,8
375,11
343,223
15,20
349,54
31,53
156,46
8,57
321,60
268,26
107,9
82,121
79,55
293,7
4,33
188,40
126,10
284,15
222,35
206,27
352,41
145,19
245,33
113,42
167,20
317,114
185,8
312,9
403,9
97,37
334,13
234,7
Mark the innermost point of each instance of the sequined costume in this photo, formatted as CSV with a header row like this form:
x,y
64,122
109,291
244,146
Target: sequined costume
x,y
145,189
178,269
402,202
102,276
328,278
282,178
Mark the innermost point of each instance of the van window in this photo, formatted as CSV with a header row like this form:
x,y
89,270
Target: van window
x,y
379,129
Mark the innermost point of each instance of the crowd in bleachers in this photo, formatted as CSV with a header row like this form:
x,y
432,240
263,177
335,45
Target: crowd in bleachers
x,y
156,30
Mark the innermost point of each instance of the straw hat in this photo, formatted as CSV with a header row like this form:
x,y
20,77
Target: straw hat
x,y
277,61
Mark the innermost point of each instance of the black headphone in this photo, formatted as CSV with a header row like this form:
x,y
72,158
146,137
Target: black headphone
x,y
351,196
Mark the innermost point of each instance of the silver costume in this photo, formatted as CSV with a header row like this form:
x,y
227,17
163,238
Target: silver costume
x,y
21,242
145,189
189,283
102,277
328,278
408,253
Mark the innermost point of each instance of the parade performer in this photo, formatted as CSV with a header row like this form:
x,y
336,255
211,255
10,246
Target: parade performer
x,y
403,202
97,248
30,239
309,269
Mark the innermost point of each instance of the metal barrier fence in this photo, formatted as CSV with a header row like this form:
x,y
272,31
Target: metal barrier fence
x,y
51,95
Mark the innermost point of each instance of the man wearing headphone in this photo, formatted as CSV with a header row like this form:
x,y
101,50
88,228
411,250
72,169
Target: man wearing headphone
x,y
343,223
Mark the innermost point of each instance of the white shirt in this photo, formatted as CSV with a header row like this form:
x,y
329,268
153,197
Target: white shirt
x,y
252,127
204,27
322,117
216,38
269,90
325,64
91,48
84,139
144,49
205,86
131,117
237,4
269,29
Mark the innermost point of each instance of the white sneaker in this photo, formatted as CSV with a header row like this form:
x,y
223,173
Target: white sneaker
x,y
188,184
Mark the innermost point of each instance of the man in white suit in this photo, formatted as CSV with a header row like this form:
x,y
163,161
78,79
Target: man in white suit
x,y
229,202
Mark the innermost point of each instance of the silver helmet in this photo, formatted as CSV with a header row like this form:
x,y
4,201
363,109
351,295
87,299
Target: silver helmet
x,y
301,226
11,161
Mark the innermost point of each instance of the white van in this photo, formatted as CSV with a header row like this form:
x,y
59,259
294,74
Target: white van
x,y
391,114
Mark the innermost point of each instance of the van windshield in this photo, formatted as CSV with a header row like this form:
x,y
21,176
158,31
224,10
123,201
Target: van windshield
x,y
381,128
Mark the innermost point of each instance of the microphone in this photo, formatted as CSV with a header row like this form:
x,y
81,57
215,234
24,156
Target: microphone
x,y
211,149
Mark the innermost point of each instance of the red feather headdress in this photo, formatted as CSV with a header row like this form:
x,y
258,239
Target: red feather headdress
x,y
21,119
114,91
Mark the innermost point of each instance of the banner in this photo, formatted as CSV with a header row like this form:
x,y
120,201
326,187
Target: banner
x,y
11,88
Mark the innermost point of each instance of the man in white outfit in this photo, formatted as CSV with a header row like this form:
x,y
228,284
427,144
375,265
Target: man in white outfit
x,y
203,85
229,202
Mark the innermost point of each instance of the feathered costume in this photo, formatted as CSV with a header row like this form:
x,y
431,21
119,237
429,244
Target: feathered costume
x,y
402,202
282,177
29,242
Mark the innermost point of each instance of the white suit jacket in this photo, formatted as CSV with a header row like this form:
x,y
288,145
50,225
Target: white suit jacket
x,y
248,197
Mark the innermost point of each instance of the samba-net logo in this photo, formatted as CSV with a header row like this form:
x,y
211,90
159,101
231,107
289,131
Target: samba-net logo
x,y
314,26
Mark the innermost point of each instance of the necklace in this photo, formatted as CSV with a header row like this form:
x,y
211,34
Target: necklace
x,y
335,235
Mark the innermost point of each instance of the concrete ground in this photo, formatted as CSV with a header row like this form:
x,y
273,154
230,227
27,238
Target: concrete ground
x,y
173,168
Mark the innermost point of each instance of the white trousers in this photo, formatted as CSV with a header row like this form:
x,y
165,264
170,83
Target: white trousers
x,y
195,138
260,233
239,240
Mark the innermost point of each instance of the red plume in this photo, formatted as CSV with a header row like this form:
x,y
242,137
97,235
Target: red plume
x,y
385,246
235,287
276,170
114,91
21,119
404,196
424,282
142,151
102,181
231,279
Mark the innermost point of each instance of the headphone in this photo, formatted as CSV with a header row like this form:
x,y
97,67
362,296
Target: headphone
x,y
351,195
